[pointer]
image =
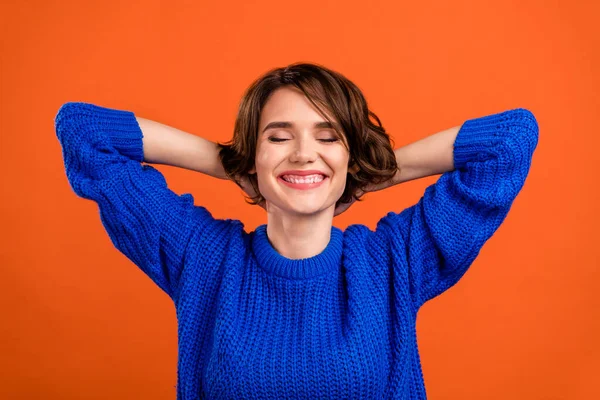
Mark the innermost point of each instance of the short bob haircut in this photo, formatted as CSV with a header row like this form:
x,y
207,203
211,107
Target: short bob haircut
x,y
372,159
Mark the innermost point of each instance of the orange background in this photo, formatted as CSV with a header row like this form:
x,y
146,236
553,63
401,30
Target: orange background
x,y
80,321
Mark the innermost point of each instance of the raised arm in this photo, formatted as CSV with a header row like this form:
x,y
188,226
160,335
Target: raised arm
x,y
103,151
167,145
432,243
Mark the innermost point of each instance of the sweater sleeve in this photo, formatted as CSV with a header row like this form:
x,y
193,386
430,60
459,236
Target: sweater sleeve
x,y
102,150
433,242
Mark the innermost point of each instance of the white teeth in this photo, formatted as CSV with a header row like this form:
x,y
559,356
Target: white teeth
x,y
307,179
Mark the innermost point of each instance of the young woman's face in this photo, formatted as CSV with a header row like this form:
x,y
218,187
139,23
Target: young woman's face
x,y
298,145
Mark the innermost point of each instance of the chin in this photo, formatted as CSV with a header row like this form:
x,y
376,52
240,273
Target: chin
x,y
304,209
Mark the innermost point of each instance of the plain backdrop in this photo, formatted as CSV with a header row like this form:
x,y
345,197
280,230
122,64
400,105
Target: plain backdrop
x,y
80,321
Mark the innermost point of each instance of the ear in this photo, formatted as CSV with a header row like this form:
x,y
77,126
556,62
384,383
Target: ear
x,y
252,171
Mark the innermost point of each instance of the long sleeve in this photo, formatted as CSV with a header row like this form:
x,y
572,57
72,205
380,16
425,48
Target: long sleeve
x,y
146,221
433,242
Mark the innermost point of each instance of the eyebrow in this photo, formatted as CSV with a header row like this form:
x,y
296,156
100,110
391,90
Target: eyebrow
x,y
287,124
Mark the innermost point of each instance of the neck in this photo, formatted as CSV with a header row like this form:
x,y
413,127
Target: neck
x,y
299,236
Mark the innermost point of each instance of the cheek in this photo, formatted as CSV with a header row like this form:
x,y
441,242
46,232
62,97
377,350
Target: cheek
x,y
264,159
264,163
342,183
341,164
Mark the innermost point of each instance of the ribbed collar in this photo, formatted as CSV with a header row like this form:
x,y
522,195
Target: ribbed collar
x,y
270,260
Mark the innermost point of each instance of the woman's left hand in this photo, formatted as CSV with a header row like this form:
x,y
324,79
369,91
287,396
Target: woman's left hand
x,y
344,206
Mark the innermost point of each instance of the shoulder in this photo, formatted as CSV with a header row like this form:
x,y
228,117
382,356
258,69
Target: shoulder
x,y
217,233
360,236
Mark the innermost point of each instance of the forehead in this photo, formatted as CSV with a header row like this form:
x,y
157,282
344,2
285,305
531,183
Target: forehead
x,y
289,104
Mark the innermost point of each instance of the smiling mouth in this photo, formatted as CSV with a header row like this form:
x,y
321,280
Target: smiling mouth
x,y
302,185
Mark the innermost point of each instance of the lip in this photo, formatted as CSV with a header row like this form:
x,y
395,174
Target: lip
x,y
301,186
303,172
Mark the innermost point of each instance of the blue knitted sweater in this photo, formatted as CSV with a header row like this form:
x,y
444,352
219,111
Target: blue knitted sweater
x,y
253,324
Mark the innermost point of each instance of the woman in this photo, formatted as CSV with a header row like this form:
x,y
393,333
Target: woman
x,y
298,308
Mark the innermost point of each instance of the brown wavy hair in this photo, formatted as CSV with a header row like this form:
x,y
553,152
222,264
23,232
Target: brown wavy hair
x,y
372,158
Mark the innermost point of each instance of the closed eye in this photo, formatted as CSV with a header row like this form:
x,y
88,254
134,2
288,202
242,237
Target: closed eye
x,y
278,140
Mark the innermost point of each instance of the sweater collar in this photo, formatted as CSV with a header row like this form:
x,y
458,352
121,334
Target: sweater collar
x,y
270,260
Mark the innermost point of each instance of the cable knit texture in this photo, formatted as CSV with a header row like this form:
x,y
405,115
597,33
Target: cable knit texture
x,y
253,324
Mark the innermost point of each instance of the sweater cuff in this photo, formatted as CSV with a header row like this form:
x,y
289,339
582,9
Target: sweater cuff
x,y
120,126
478,136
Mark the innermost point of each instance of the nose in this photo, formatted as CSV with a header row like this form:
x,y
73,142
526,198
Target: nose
x,y
303,151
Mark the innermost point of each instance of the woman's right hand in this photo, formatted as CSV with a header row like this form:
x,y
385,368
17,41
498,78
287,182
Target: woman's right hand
x,y
247,187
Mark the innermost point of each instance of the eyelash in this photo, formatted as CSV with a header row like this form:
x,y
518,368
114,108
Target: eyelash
x,y
279,140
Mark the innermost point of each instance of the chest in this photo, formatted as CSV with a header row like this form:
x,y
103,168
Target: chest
x,y
296,347
287,363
